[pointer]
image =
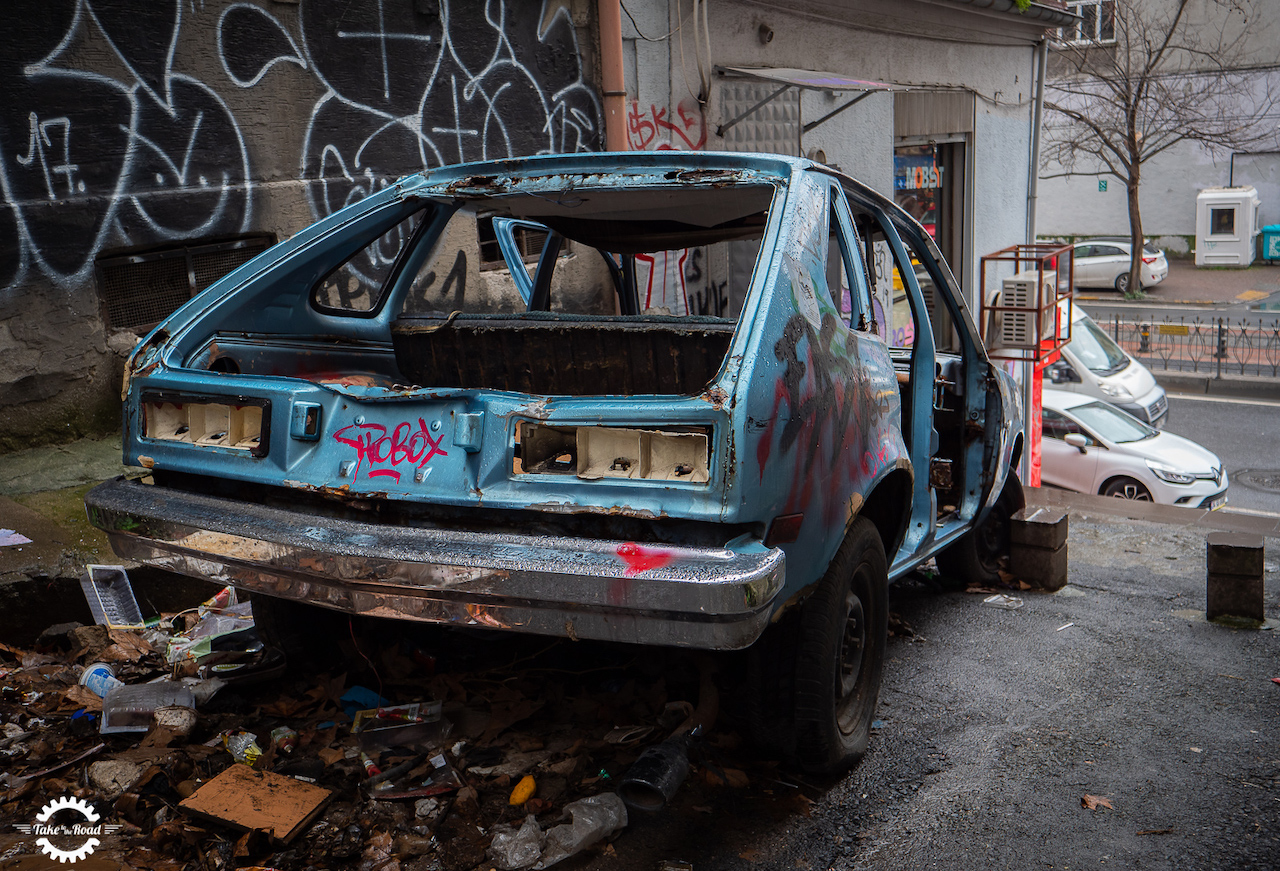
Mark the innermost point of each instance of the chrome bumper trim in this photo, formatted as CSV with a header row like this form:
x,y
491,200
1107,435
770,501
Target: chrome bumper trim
x,y
715,598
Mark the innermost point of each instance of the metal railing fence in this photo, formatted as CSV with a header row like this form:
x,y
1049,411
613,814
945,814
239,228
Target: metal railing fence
x,y
1213,346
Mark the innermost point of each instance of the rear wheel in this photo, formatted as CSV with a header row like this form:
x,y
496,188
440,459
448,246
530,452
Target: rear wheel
x,y
1122,282
816,674
1127,488
975,558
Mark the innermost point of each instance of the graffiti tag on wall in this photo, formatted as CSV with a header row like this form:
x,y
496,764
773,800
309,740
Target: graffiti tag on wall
x,y
108,139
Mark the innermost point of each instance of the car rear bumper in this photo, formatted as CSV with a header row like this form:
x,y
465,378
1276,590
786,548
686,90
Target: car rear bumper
x,y
714,598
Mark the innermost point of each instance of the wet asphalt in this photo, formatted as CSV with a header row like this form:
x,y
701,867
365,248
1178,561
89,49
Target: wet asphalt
x,y
995,725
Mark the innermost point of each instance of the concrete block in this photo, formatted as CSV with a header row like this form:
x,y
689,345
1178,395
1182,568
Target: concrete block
x,y
1043,567
1039,527
1234,553
1233,596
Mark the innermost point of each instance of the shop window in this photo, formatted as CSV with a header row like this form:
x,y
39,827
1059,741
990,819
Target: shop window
x,y
142,288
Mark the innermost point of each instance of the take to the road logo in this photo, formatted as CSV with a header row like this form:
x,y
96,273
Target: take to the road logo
x,y
68,829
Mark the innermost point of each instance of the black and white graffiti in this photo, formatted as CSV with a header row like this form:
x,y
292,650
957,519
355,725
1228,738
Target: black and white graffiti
x,y
113,132
100,139
414,85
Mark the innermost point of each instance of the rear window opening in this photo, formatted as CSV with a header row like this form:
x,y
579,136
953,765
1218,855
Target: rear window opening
x,y
632,292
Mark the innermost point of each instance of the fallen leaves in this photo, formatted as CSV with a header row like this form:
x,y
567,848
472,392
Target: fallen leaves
x,y
1093,802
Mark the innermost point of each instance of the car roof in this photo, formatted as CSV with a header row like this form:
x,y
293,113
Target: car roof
x,y
1063,400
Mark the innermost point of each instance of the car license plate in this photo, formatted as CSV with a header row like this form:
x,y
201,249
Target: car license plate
x,y
1217,502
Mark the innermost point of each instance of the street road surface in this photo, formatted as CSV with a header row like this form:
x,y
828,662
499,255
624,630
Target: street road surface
x,y
1245,434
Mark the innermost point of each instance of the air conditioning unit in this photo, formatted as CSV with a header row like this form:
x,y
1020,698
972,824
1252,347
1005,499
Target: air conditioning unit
x,y
1018,328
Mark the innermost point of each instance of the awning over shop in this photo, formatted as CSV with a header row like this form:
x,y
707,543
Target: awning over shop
x,y
809,80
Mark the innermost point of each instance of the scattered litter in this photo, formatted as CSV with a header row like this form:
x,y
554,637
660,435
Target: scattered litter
x,y
9,538
1001,600
524,790
131,708
176,721
284,739
227,632
110,597
592,820
385,726
1195,749
1093,802
112,777
360,698
675,865
100,678
513,849
258,800
877,724
1064,626
1070,592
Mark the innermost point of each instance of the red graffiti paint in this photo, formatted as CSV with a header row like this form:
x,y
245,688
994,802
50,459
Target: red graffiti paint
x,y
642,559
375,447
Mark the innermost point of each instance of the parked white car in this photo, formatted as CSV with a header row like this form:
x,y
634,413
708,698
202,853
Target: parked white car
x,y
1092,447
1105,263
1092,364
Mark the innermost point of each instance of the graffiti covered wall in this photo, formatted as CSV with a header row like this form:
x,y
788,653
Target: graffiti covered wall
x,y
125,125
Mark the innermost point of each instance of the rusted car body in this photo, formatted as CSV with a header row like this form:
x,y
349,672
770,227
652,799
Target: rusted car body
x,y
359,420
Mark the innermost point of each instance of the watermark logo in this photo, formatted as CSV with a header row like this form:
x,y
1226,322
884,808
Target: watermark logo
x,y
76,839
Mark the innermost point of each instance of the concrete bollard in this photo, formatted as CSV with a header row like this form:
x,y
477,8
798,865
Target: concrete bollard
x,y
1038,547
1234,584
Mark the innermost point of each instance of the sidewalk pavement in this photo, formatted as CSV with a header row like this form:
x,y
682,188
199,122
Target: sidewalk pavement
x,y
1188,284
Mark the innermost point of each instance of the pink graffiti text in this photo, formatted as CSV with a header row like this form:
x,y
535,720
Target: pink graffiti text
x,y
376,448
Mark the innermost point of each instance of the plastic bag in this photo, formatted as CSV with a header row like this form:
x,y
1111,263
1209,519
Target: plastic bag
x,y
593,820
516,849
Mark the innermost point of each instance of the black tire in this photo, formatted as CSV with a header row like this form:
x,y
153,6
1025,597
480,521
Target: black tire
x,y
975,558
792,705
840,654
1122,282
1127,488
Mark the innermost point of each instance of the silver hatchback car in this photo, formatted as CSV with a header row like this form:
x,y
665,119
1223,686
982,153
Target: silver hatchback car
x,y
1106,264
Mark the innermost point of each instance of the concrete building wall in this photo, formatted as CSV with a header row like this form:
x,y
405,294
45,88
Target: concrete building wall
x,y
1075,205
127,125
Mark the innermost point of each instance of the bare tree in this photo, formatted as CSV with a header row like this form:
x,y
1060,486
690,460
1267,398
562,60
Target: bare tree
x,y
1139,77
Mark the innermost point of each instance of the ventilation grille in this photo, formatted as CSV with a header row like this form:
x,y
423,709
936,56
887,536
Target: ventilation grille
x,y
140,290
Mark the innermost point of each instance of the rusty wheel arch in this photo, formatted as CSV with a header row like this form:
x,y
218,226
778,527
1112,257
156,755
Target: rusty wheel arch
x,y
888,508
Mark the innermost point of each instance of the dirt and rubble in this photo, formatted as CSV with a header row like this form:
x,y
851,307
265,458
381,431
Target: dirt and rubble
x,y
411,748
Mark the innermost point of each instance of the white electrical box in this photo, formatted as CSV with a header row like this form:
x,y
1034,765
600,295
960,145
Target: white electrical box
x,y
1018,329
1226,226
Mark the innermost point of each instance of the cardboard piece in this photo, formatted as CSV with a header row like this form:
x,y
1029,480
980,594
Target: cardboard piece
x,y
249,799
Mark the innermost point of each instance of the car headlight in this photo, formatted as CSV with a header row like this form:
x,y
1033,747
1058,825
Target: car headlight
x,y
1170,474
1115,391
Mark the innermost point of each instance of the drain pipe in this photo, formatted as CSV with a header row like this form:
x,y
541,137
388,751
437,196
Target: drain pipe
x,y
653,779
613,84
1033,180
1033,186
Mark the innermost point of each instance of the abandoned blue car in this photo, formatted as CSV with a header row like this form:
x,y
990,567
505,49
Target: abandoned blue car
x,y
707,400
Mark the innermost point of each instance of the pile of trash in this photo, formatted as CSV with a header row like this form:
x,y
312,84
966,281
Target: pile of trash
x,y
181,742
